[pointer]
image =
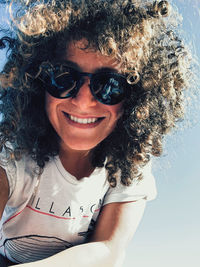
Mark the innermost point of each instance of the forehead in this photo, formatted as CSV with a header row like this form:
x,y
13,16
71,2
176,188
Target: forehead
x,y
88,59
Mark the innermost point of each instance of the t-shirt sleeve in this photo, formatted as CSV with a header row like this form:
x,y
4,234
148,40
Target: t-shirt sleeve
x,y
140,189
11,172
20,175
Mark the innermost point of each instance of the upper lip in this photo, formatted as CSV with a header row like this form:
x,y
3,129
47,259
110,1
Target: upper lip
x,y
85,116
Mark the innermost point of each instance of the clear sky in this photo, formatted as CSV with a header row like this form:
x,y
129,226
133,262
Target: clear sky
x,y
169,234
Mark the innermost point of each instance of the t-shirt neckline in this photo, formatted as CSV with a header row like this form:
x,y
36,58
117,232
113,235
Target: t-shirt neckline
x,y
71,178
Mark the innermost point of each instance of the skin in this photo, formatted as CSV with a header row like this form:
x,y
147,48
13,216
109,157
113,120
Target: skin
x,y
4,192
78,140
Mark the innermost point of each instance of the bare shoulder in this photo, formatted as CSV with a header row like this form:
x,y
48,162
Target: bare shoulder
x,y
4,190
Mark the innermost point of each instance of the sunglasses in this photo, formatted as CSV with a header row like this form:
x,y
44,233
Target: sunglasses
x,y
62,81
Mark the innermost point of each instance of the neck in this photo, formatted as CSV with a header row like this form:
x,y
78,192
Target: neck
x,y
77,163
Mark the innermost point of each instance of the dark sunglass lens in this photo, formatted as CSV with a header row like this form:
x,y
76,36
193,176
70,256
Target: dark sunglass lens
x,y
109,88
60,82
64,84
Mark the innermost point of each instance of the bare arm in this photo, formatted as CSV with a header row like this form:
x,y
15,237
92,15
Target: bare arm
x,y
116,225
4,190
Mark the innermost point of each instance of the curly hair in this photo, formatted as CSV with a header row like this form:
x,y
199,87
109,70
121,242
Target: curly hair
x,y
141,34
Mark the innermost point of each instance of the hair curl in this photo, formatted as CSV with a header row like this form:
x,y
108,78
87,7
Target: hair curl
x,y
141,34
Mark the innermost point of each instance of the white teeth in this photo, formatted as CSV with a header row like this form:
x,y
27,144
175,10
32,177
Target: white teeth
x,y
83,121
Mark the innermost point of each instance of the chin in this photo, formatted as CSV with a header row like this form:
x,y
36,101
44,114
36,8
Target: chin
x,y
83,146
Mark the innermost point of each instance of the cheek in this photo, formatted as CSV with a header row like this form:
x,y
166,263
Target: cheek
x,y
48,106
51,105
116,111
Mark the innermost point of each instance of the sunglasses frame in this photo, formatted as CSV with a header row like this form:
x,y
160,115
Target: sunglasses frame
x,y
51,71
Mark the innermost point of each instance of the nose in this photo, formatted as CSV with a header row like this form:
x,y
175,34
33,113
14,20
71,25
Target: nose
x,y
84,97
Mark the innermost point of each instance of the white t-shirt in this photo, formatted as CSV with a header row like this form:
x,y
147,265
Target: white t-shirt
x,y
47,214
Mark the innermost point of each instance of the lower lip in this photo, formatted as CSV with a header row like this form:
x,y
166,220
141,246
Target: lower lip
x,y
81,125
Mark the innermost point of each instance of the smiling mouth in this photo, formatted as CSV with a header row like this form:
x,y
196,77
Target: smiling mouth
x,y
88,121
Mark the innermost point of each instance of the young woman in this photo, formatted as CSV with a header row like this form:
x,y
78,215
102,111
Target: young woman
x,y
88,91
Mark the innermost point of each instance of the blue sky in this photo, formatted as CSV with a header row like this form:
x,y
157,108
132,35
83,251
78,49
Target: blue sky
x,y
169,234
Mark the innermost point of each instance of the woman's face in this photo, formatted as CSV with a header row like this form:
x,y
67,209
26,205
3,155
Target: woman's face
x,y
82,122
